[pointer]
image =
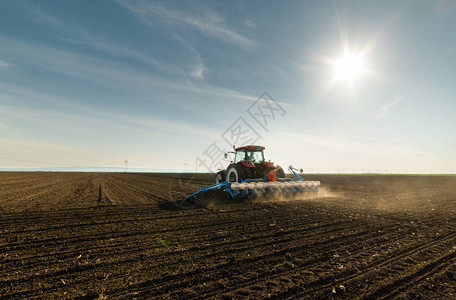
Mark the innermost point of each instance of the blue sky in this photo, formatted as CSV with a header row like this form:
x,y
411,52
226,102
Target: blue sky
x,y
95,83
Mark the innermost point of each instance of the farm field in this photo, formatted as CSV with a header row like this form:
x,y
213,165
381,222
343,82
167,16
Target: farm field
x,y
118,235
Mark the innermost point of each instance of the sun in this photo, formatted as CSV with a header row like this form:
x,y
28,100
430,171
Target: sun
x,y
349,67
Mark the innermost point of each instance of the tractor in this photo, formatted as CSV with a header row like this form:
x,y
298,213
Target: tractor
x,y
249,163
250,176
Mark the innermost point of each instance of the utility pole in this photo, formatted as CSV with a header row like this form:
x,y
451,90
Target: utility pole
x,y
126,166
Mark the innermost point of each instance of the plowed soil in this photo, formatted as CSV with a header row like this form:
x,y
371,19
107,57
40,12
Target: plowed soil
x,y
115,235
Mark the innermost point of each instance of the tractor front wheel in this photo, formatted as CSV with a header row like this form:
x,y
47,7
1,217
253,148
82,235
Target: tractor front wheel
x,y
220,177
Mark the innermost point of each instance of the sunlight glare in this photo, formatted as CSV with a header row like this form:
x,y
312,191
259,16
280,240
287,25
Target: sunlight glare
x,y
349,67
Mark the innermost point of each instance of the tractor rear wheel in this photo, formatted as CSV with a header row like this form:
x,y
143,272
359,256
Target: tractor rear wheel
x,y
237,173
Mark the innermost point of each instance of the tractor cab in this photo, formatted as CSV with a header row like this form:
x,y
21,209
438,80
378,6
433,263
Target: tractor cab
x,y
250,154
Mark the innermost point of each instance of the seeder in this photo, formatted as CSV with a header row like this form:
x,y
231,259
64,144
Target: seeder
x,y
267,187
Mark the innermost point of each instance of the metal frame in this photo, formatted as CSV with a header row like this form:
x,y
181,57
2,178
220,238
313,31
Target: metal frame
x,y
234,194
293,171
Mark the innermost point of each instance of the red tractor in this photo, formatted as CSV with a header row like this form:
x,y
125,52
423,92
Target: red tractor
x,y
248,163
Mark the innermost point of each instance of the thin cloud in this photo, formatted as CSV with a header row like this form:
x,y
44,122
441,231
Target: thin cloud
x,y
194,69
121,50
4,64
79,119
385,109
209,23
198,72
84,38
369,148
249,23
198,69
42,16
17,144
108,73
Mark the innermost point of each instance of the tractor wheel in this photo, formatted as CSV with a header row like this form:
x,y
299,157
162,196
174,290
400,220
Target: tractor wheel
x,y
220,177
237,173
280,172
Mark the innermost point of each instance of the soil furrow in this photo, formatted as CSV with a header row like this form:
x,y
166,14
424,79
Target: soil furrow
x,y
119,235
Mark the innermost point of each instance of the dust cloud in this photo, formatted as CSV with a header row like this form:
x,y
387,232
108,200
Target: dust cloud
x,y
279,197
